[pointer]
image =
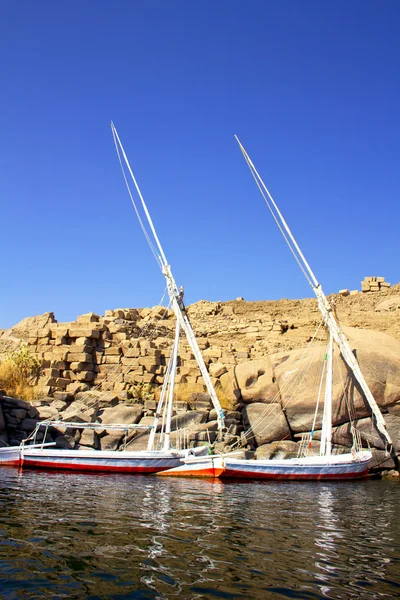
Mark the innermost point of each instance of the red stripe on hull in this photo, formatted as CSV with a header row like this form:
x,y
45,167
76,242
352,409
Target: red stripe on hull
x,y
292,476
210,473
10,463
38,464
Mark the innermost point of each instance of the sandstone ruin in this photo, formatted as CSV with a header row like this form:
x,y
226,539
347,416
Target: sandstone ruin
x,y
109,368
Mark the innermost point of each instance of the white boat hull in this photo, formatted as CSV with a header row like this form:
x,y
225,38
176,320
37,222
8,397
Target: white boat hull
x,y
106,460
10,456
342,466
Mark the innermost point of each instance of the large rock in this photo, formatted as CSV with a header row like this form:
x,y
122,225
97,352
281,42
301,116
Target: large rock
x,y
379,357
277,450
256,381
121,414
298,373
190,420
266,423
48,413
89,438
141,439
112,440
227,390
392,303
78,412
369,434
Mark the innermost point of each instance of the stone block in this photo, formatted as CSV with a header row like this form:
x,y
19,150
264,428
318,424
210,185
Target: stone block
x,y
212,353
75,332
79,357
113,351
154,352
77,348
109,368
48,413
133,376
57,353
131,353
62,397
150,364
112,359
148,378
86,376
242,355
150,405
81,366
344,292
88,318
120,336
44,333
51,372
83,341
18,413
28,425
77,386
144,344
62,382
217,369
89,438
98,357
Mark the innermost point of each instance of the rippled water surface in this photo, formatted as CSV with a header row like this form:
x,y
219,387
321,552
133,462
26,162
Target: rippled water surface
x,y
65,535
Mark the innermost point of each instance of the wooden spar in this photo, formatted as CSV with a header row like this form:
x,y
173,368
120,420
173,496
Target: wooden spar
x,y
167,433
326,437
174,294
324,306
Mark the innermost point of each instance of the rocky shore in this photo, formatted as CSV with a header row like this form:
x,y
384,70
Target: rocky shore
x,y
109,369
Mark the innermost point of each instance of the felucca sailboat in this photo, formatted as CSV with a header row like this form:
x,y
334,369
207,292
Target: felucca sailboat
x,y
327,465
160,454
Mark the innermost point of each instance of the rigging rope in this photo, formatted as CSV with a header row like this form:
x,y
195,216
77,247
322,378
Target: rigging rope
x,y
293,251
142,225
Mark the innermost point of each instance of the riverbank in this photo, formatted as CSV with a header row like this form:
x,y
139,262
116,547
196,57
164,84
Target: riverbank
x,y
110,369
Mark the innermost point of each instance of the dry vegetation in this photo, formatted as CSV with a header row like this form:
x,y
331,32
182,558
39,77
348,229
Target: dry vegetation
x,y
19,374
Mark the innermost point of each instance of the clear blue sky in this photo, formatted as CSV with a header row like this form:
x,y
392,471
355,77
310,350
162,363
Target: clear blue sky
x,y
311,88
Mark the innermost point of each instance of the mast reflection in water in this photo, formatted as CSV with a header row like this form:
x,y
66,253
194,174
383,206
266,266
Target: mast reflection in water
x,y
69,535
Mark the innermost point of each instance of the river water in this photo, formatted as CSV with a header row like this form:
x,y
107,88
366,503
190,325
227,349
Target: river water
x,y
66,535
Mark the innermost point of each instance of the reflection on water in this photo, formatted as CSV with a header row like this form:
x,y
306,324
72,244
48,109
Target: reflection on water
x,y
66,535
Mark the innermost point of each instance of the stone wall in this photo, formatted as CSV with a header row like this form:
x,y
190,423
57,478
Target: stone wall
x,y
127,348
107,368
374,284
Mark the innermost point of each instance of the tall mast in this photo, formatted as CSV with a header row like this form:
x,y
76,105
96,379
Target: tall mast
x,y
326,436
323,304
167,434
175,295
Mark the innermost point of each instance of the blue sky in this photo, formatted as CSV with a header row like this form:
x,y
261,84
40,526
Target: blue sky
x,y
311,88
